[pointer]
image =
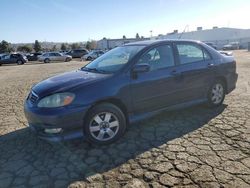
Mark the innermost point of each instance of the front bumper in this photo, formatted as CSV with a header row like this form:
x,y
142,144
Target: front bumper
x,y
62,136
69,119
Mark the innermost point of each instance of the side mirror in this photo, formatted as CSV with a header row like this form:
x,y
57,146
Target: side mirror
x,y
139,68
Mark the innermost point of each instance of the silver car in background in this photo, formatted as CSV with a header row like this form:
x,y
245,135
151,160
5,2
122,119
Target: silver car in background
x,y
54,56
92,55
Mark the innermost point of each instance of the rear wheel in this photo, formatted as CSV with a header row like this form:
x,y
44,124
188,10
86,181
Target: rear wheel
x,y
104,124
216,94
67,59
19,62
46,60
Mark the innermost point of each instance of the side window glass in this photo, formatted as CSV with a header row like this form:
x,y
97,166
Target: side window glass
x,y
6,57
159,57
206,55
189,53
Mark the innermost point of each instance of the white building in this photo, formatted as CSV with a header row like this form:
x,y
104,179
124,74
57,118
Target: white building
x,y
106,44
219,36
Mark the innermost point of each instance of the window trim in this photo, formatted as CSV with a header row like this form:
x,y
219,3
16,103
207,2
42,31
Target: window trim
x,y
156,46
193,44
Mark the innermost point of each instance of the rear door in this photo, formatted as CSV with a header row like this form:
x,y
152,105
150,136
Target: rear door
x,y
13,58
59,57
155,89
196,68
52,56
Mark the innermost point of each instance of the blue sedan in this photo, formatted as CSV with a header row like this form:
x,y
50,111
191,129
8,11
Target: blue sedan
x,y
127,84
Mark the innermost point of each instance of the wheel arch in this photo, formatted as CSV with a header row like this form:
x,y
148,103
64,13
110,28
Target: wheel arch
x,y
223,80
46,59
114,101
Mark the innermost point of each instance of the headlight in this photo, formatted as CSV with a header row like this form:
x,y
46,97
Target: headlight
x,y
56,100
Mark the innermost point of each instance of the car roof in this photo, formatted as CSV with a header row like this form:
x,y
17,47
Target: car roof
x,y
51,52
151,42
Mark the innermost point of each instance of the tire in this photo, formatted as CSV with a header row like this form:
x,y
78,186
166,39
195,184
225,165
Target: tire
x,y
105,123
68,59
89,58
216,94
46,60
19,62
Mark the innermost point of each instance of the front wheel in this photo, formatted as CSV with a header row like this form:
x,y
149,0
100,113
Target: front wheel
x,y
104,124
89,58
216,94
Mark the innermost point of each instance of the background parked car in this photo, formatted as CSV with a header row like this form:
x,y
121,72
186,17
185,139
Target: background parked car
x,y
54,56
211,44
231,46
13,58
33,56
226,53
78,53
64,51
92,55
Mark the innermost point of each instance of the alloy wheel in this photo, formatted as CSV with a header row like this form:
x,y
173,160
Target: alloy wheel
x,y
104,126
217,93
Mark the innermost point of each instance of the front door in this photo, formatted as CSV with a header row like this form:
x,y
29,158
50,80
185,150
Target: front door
x,y
156,88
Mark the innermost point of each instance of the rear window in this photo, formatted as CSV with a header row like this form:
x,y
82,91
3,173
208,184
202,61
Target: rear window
x,y
82,50
191,53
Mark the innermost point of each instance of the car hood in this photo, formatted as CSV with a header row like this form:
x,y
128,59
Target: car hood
x,y
66,81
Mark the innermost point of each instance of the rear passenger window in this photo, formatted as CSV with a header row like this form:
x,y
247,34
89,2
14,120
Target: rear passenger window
x,y
159,57
189,53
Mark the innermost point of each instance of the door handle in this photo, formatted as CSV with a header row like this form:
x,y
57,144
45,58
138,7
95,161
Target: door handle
x,y
175,73
210,65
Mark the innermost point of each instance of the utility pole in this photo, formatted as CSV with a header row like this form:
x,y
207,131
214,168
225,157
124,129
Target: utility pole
x,y
151,33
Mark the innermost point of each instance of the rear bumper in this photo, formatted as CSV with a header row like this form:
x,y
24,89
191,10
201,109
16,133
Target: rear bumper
x,y
231,82
69,120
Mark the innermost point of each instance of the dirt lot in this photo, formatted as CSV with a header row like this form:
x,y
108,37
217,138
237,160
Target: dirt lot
x,y
194,147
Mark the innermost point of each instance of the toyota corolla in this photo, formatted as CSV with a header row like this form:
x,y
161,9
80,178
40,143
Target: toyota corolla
x,y
127,84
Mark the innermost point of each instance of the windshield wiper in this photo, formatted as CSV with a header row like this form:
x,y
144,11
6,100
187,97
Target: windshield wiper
x,y
94,70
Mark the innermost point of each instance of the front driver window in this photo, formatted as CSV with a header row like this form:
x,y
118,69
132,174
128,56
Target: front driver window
x,y
159,57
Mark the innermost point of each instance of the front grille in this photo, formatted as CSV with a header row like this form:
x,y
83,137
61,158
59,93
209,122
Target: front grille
x,y
33,97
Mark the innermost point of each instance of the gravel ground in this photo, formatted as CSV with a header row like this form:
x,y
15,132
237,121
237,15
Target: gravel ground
x,y
194,147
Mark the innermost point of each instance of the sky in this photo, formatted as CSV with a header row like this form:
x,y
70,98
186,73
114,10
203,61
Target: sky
x,y
24,21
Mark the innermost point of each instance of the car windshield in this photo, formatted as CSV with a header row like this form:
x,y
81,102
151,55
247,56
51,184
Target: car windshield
x,y
113,60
